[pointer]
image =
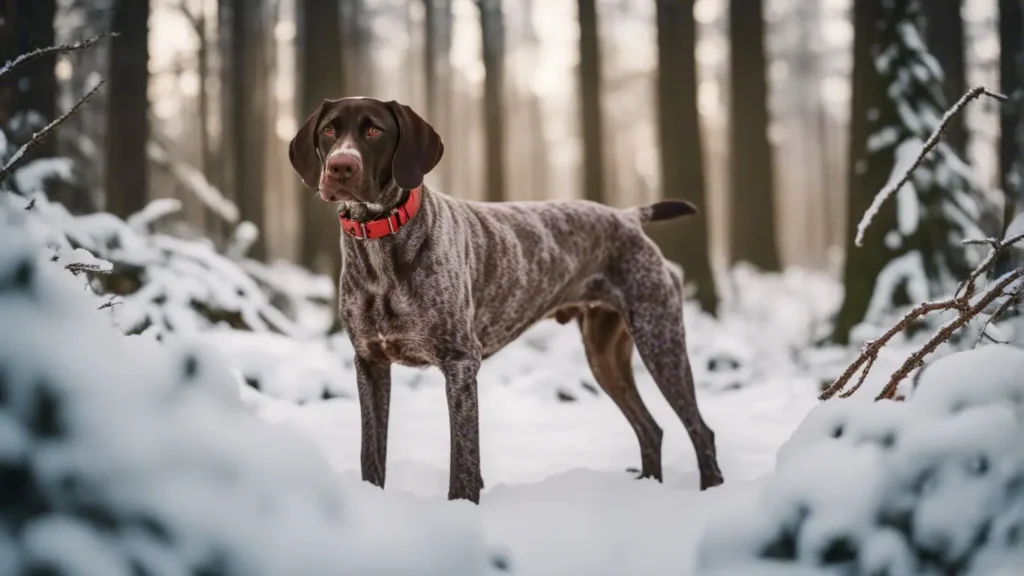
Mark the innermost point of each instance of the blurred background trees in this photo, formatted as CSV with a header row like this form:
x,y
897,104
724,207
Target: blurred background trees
x,y
758,111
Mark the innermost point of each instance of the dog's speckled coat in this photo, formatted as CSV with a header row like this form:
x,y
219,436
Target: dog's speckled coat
x,y
463,279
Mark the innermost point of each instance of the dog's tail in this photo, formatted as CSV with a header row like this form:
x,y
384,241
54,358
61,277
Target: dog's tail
x,y
664,210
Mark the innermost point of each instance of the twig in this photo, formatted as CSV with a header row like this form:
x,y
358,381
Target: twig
x,y
863,376
932,141
871,351
942,335
29,56
79,267
38,137
1003,307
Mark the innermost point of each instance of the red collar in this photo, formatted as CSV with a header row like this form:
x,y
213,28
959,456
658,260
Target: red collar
x,y
388,225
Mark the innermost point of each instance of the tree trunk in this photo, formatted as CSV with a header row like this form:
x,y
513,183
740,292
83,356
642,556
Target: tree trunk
x,y
1011,16
127,120
32,87
246,111
682,165
590,103
752,201
438,43
945,37
319,50
493,30
864,179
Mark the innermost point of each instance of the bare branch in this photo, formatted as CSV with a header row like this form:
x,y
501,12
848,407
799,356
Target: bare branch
x,y
1003,307
29,56
38,137
931,143
944,334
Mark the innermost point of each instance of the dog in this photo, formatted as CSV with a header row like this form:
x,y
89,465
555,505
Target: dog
x,y
430,280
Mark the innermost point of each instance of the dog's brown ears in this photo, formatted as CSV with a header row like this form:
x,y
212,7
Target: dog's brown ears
x,y
419,147
302,151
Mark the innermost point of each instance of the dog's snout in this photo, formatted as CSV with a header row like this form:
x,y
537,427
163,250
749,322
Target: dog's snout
x,y
344,168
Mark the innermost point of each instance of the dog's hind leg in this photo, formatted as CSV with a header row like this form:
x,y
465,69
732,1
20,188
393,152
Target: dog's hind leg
x,y
609,350
654,305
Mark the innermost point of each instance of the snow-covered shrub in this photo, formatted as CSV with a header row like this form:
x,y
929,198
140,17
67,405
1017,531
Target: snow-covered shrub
x,y
123,455
931,485
167,284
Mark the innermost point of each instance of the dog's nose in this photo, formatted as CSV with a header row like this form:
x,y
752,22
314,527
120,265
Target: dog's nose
x,y
344,168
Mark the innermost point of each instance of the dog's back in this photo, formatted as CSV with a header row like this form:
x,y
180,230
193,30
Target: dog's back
x,y
537,257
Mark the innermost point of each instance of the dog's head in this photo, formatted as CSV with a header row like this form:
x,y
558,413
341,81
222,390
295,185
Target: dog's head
x,y
356,149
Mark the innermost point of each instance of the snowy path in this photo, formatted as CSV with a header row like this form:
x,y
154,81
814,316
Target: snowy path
x,y
557,494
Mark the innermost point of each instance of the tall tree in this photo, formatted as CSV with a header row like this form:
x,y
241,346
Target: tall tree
x,y
127,113
320,71
493,29
245,109
1011,61
945,38
438,43
682,164
590,103
31,89
752,202
912,250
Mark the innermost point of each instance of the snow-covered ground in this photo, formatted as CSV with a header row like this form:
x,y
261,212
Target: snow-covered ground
x,y
558,493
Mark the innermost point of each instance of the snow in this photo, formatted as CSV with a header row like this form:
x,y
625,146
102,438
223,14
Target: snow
x,y
930,485
906,154
121,451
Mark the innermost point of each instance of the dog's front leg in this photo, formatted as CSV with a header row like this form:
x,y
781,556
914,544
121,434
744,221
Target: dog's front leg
x,y
465,480
374,383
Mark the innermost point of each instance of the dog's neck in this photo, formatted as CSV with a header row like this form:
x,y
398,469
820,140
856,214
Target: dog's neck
x,y
389,199
385,258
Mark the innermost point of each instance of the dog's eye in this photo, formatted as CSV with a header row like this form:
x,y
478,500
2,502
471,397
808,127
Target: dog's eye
x,y
329,130
373,131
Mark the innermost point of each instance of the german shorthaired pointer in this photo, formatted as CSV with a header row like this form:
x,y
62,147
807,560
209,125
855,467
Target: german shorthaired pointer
x,y
430,280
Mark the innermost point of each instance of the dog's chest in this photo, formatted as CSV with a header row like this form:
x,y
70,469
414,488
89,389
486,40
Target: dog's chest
x,y
388,327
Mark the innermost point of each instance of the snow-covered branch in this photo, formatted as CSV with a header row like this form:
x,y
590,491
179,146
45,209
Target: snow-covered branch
x,y
933,140
38,137
29,56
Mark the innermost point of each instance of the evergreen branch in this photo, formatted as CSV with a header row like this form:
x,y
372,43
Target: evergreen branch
x,y
931,143
38,137
38,53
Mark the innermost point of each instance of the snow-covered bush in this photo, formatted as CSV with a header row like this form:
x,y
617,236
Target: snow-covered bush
x,y
123,455
931,485
163,283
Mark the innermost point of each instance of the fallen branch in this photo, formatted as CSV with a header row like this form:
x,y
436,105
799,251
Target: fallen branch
x,y
931,143
38,137
29,56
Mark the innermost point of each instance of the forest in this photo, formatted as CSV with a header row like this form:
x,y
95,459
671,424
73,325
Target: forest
x,y
178,394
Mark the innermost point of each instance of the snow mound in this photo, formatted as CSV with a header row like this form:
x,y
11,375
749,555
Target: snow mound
x,y
932,485
123,455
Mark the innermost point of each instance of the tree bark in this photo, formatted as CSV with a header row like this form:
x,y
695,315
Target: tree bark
x,y
1011,60
438,43
319,50
245,111
752,179
493,30
864,179
32,87
945,37
682,164
590,103
127,119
